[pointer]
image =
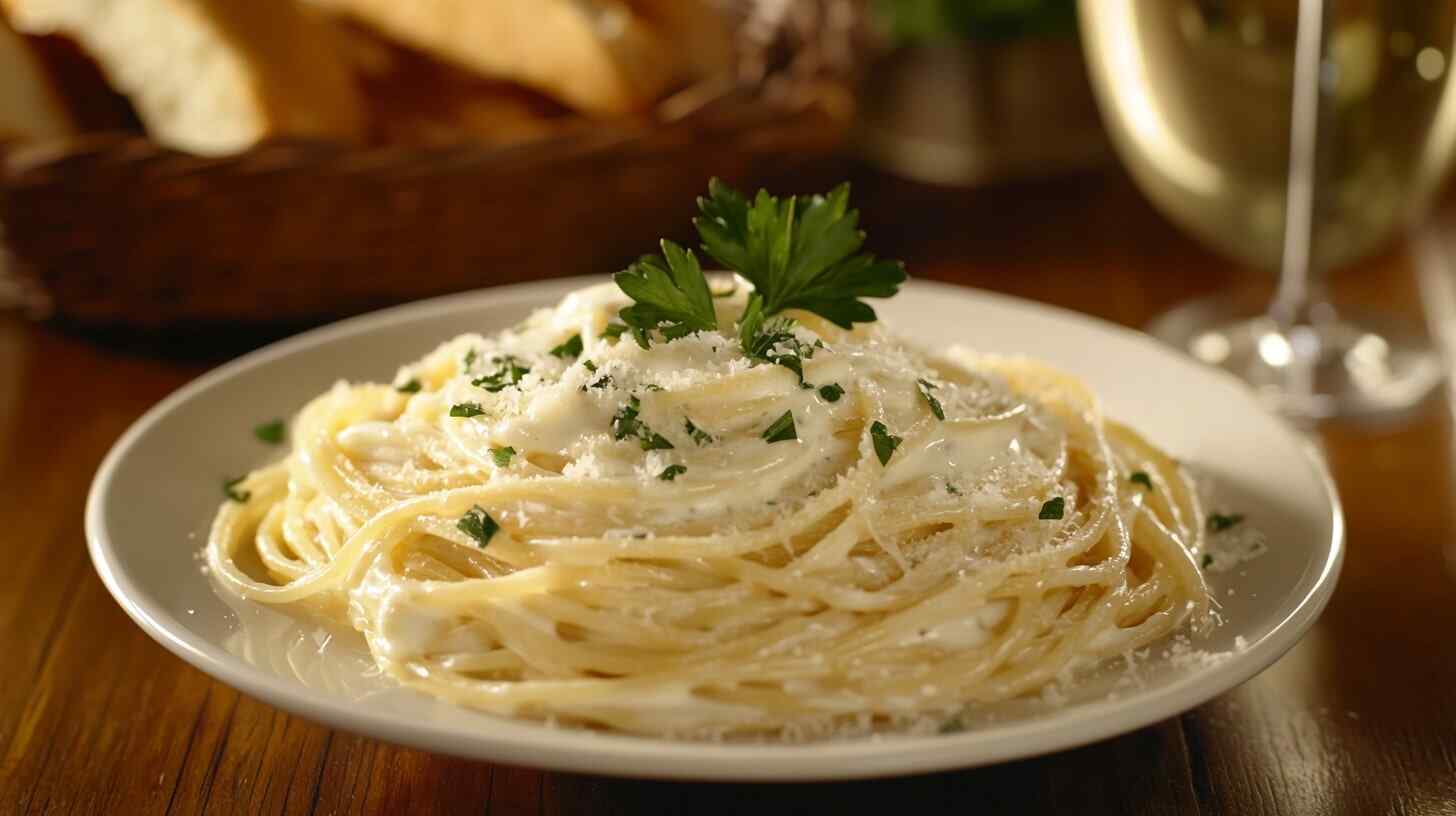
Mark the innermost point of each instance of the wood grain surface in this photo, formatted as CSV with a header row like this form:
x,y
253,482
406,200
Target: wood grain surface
x,y
1360,718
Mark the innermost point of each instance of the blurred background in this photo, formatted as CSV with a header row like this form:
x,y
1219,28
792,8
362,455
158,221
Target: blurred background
x,y
272,167
240,171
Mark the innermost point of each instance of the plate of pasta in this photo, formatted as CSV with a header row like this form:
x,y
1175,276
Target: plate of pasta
x,y
790,518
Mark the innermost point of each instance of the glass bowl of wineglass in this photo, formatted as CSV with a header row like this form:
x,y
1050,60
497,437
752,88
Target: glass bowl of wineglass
x,y
1297,135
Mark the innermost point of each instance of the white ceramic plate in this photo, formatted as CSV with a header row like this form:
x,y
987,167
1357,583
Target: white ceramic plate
x,y
155,494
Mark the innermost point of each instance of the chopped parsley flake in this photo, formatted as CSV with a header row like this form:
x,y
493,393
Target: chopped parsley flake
x,y
271,432
625,424
229,489
600,382
589,365
509,372
469,359
1054,509
935,408
1218,522
952,489
1207,560
1141,478
502,456
671,472
466,409
884,441
782,429
831,392
776,343
411,387
614,331
571,348
478,524
700,436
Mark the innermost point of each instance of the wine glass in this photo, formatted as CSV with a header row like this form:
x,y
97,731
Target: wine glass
x,y
1291,134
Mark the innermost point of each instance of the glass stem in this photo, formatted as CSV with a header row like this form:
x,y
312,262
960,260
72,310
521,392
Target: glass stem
x,y
1298,291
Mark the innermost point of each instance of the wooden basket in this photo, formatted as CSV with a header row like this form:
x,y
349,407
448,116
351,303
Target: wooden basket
x,y
116,231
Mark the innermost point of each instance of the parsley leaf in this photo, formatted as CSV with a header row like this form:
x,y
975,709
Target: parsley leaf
x,y
478,524
502,456
271,432
625,424
613,331
509,372
782,429
1141,478
799,252
466,409
411,387
775,342
1218,522
884,441
831,392
571,348
1053,509
670,295
230,489
935,408
699,436
671,472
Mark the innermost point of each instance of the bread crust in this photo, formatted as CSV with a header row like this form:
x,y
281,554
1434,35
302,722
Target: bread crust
x,y
211,76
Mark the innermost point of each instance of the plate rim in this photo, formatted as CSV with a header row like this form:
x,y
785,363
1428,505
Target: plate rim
x,y
537,746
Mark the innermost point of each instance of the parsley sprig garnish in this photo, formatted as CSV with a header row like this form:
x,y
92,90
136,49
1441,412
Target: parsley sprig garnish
x,y
670,293
799,252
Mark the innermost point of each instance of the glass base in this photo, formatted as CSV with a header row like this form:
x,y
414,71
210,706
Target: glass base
x,y
1334,366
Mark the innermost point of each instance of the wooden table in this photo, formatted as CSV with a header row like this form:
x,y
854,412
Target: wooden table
x,y
1359,718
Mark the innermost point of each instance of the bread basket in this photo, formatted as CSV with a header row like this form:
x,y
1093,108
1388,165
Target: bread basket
x,y
113,231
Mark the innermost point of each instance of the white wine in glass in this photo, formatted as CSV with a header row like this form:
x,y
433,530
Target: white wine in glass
x,y
1296,135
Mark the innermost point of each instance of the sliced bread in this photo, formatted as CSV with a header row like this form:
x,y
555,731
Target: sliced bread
x,y
210,76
